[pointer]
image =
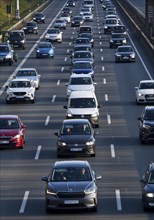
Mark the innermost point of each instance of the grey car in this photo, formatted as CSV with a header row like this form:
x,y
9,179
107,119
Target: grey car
x,y
82,56
125,54
71,185
117,39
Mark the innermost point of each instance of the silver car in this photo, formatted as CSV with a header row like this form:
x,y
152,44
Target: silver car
x,y
59,23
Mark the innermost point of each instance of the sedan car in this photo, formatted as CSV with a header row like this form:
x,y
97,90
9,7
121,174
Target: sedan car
x,y
31,27
77,21
66,17
145,92
147,185
20,90
82,40
54,34
80,82
82,56
117,39
30,74
70,3
109,24
87,16
76,137
6,54
59,23
45,49
121,29
39,17
89,36
82,67
17,38
125,54
146,125
82,47
12,131
71,185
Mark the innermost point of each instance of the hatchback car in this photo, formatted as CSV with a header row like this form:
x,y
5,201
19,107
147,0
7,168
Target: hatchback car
x,y
45,49
117,39
12,131
147,185
121,29
76,137
17,38
125,54
39,17
85,29
30,74
82,40
66,17
82,67
59,23
54,34
31,27
146,125
70,3
71,185
82,47
145,92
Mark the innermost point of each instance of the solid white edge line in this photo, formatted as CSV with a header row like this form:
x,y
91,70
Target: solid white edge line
x,y
112,150
65,59
47,120
109,119
38,152
118,200
24,201
53,98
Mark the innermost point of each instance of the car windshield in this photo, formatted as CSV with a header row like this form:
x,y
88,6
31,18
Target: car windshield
x,y
82,103
82,41
149,115
59,21
71,174
117,36
151,178
9,124
75,129
111,22
53,31
82,48
31,24
38,15
26,73
77,18
122,28
82,65
20,84
81,81
147,85
44,45
16,34
4,49
82,55
124,49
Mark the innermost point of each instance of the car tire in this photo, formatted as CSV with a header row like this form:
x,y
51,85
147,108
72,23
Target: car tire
x,y
7,101
93,155
33,101
94,209
11,63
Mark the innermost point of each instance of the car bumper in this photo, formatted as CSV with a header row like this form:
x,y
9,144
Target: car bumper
x,y
16,143
40,55
19,98
93,120
145,99
148,202
124,59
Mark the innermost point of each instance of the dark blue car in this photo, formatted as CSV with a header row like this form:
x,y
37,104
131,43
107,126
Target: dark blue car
x,y
82,67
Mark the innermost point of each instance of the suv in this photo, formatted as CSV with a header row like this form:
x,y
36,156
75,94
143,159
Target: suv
x,y
54,34
6,54
17,38
83,104
147,184
146,124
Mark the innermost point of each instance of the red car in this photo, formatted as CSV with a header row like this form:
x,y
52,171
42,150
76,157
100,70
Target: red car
x,y
12,131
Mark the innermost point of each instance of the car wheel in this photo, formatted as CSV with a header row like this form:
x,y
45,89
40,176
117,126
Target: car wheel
x,y
93,155
94,209
7,101
10,63
33,101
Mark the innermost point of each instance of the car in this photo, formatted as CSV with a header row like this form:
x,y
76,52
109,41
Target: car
x,y
106,3
70,3
121,29
17,38
82,67
147,186
7,54
74,191
109,24
112,16
31,27
77,21
89,3
76,137
59,23
80,82
67,10
12,131
125,54
117,39
85,29
87,16
83,104
30,74
82,47
89,36
146,125
39,17
145,92
85,9
82,40
66,17
54,34
20,90
44,49
82,56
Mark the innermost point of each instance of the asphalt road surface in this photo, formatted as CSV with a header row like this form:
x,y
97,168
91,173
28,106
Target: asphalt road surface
x,y
120,158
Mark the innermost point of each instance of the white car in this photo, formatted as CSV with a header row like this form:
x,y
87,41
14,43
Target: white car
x,y
30,74
54,34
66,17
87,16
20,90
80,82
145,92
109,24
59,23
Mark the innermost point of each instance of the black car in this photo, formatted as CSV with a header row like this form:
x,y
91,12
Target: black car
x,y
146,125
89,36
76,21
82,47
85,29
125,54
17,38
67,10
70,3
82,40
117,39
76,137
147,184
31,27
71,185
120,29
39,17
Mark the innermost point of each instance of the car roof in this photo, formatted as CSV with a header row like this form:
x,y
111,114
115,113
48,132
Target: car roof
x,y
80,76
18,79
147,81
151,108
9,116
82,94
71,163
23,69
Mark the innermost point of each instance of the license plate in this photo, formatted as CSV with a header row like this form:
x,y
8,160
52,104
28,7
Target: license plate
x,y
71,202
76,149
125,58
4,142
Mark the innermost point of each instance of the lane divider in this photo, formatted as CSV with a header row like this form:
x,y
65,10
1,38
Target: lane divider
x,y
24,202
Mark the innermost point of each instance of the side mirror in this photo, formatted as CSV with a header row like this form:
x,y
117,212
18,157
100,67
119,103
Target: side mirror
x,y
98,177
96,132
139,118
136,88
66,84
65,106
56,134
44,178
23,126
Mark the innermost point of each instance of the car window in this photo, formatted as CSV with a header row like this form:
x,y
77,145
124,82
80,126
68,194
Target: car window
x,y
75,129
146,85
20,84
82,103
149,115
151,178
9,124
81,81
26,73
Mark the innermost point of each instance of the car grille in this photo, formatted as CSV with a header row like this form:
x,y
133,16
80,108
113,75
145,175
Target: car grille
x,y
149,97
5,139
19,93
71,195
81,116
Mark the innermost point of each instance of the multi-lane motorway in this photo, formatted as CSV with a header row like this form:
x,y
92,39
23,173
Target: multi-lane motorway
x,y
120,158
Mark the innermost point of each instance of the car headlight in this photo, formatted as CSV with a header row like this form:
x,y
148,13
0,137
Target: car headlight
x,y
94,115
51,192
35,28
140,94
132,55
69,115
69,90
88,143
16,136
8,56
38,51
150,195
105,26
90,190
62,144
124,41
111,41
118,55
146,126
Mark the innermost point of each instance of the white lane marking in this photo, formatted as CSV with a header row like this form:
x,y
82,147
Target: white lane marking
x,y
38,152
108,119
98,27
62,69
68,50
112,150
71,38
100,43
100,38
47,120
103,68
53,98
72,32
101,50
27,56
99,32
70,43
65,59
106,97
104,81
24,201
58,82
118,200
102,58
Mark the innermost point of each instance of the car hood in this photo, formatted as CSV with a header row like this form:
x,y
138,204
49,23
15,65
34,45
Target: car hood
x,y
75,139
125,52
82,59
149,188
150,123
19,89
146,91
82,111
8,132
52,35
81,87
3,53
77,71
45,50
